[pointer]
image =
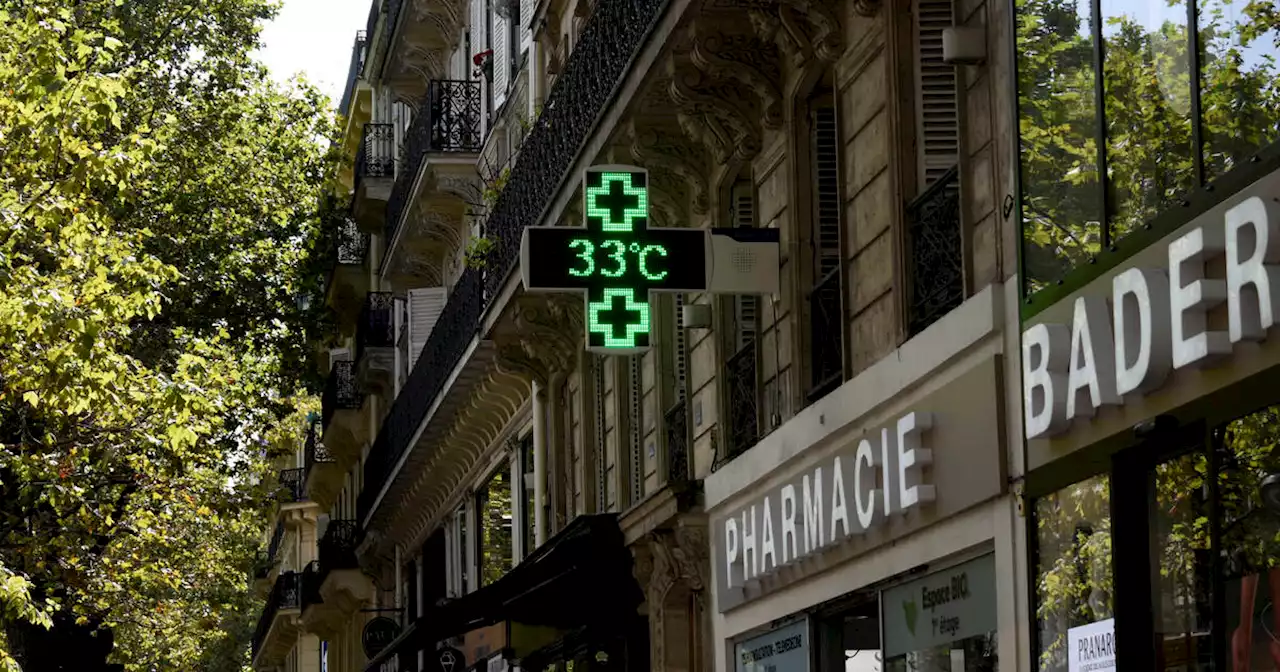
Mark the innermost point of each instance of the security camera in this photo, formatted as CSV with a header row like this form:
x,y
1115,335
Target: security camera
x,y
1269,488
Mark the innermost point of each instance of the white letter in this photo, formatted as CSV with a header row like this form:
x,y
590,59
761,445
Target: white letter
x,y
812,511
839,511
864,481
750,552
1252,303
1140,310
1191,295
911,457
789,523
1044,365
886,489
730,548
1091,369
768,557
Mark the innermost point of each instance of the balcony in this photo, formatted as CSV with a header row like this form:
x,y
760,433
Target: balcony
x,y
437,183
613,34
676,422
936,254
376,344
341,587
342,422
740,385
323,476
291,490
375,169
277,629
358,52
347,278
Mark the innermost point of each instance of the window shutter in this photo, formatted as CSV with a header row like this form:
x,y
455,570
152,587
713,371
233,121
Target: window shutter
x,y
681,350
746,308
938,123
526,23
477,40
501,60
425,306
826,157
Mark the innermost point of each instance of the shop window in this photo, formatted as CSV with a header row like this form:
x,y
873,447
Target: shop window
x,y
493,518
1074,584
849,640
1249,494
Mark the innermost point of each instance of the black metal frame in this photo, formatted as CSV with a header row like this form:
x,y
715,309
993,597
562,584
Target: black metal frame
x,y
292,483
936,252
675,423
285,594
743,401
341,391
377,325
315,452
358,53
826,335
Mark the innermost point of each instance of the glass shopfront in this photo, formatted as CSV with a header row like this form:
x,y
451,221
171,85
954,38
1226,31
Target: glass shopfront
x,y
1134,123
1177,543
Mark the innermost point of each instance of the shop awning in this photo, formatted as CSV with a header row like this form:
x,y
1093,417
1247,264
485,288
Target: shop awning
x,y
581,576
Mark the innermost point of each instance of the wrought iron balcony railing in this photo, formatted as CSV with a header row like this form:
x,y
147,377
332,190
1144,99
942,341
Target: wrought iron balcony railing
x,y
285,594
337,548
273,548
262,563
316,453
341,392
353,244
353,71
376,157
826,342
740,382
291,485
376,328
937,270
448,120
445,347
676,421
311,581
612,36
610,40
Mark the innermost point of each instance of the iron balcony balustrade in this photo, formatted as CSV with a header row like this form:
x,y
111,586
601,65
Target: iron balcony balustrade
x,y
376,328
937,271
826,344
274,547
347,248
676,421
448,120
740,378
341,393
311,581
337,548
353,71
291,485
376,157
285,594
315,451
613,35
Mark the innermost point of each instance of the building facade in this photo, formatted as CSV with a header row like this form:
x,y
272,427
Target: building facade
x,y
483,492
1148,252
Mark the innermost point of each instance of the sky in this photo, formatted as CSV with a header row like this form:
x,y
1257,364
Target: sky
x,y
314,37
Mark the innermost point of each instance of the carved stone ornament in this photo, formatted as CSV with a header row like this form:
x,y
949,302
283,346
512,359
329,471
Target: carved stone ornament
x,y
747,60
546,338
720,106
660,149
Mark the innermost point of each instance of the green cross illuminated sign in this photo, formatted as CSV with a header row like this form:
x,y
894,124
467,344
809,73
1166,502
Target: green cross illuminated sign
x,y
616,259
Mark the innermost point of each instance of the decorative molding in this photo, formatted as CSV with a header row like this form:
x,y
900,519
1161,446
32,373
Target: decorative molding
x,y
723,109
545,339
826,40
746,59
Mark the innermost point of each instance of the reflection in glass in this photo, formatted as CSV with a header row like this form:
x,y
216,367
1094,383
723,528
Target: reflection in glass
x,y
1249,490
1074,584
1179,515
971,654
1061,204
1147,80
1239,90
493,510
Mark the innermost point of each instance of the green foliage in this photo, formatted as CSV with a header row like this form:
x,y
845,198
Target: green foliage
x,y
477,251
157,228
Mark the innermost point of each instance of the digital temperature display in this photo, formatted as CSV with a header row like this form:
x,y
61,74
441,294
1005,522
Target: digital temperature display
x,y
617,260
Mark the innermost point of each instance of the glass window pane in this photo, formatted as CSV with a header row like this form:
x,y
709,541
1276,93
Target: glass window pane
x,y
1239,89
1182,597
1074,584
1249,490
1061,201
493,510
1148,108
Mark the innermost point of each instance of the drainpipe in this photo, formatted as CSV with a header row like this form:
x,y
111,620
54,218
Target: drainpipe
x,y
539,463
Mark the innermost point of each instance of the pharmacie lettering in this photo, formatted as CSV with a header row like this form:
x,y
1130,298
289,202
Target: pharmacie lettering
x,y
1155,321
836,500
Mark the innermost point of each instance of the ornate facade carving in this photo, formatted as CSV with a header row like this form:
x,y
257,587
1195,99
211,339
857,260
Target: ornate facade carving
x,y
545,337
657,147
715,112
673,567
746,59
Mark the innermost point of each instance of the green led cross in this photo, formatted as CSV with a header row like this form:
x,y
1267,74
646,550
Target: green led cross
x,y
616,259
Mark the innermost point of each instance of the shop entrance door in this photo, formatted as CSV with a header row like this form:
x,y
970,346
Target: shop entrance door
x,y
1160,496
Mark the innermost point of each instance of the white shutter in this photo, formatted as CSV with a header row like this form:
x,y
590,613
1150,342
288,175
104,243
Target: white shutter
x,y
526,23
826,176
501,60
425,306
938,124
746,308
479,40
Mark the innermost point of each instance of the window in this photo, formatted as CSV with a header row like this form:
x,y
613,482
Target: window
x,y
527,476
1122,98
825,295
493,520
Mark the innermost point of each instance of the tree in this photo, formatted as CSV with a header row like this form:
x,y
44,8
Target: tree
x,y
157,229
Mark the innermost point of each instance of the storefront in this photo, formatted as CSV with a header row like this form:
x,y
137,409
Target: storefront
x,y
874,546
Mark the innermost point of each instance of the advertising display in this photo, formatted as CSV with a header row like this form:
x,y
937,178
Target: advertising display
x,y
783,650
